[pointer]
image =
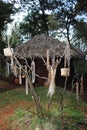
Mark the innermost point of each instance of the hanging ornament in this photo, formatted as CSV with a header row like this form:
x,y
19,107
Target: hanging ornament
x,y
26,86
77,90
48,59
20,79
81,86
7,68
65,72
12,63
15,70
26,81
33,71
8,51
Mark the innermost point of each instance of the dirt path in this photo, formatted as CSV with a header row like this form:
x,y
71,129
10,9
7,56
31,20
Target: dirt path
x,y
4,114
7,111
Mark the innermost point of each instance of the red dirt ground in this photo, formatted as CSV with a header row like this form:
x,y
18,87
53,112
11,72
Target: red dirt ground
x,y
4,114
8,111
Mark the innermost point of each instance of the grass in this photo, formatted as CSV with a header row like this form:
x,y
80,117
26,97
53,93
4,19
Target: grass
x,y
73,112
13,96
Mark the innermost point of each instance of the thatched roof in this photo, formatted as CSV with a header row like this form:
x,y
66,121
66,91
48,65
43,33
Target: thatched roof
x,y
40,43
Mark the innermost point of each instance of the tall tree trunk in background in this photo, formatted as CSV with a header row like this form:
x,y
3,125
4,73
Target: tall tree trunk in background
x,y
44,17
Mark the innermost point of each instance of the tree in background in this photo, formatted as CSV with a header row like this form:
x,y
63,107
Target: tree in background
x,y
15,37
69,15
80,35
61,19
36,22
6,9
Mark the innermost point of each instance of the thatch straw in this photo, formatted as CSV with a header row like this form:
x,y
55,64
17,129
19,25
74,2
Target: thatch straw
x,y
39,44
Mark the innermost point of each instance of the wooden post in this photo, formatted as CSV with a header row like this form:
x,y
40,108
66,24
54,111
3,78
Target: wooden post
x,y
20,79
12,63
33,71
26,81
48,59
7,68
81,86
77,90
15,70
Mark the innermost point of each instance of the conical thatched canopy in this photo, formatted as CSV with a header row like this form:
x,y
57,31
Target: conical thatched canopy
x,y
40,43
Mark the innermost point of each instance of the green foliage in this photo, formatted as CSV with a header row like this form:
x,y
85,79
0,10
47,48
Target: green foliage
x,y
19,113
6,9
81,27
74,113
81,6
15,37
20,118
60,19
33,24
2,46
80,66
13,96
